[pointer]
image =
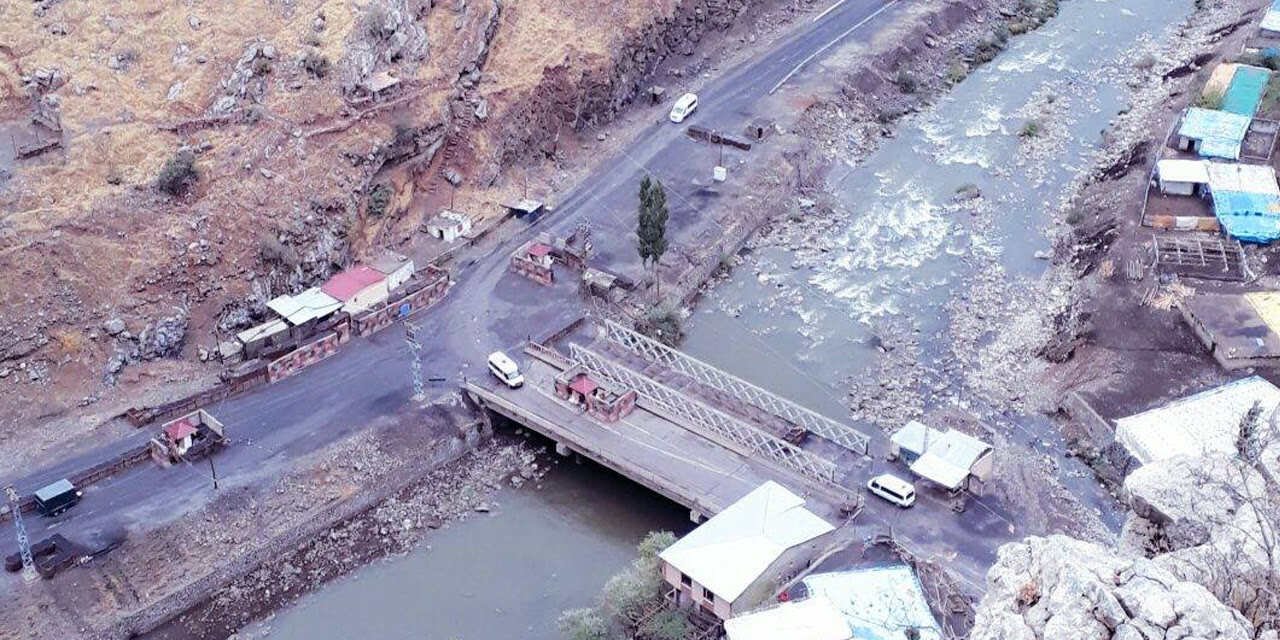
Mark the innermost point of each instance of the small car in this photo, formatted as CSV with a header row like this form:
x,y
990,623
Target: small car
x,y
683,107
893,489
505,369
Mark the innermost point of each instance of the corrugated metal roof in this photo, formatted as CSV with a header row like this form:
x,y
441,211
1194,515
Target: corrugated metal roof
x,y
729,552
1245,91
915,436
878,603
1174,170
1220,133
304,307
1246,178
262,331
1206,422
347,284
54,490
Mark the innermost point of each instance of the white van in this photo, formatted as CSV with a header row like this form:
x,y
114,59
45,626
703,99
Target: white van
x,y
684,106
893,489
505,369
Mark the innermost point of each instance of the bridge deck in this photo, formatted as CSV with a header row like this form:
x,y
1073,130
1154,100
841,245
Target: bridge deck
x,y
646,448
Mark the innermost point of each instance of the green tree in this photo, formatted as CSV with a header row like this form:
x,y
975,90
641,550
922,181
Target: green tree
x,y
651,225
178,173
672,624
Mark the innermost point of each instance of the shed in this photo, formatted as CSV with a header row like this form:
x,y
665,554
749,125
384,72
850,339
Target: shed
x,y
1248,217
524,207
956,461
912,440
1206,422
298,310
1181,177
397,269
1212,134
358,288
448,225
262,337
716,566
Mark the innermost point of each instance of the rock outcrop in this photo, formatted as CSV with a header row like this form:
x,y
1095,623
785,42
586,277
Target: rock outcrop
x,y
1060,588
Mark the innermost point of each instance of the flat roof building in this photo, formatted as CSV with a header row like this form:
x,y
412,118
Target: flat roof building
x,y
1206,422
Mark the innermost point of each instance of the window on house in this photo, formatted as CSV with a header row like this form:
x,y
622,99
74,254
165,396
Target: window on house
x,y
686,580
707,595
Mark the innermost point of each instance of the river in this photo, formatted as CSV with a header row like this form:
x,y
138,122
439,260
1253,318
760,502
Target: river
x,y
803,317
504,574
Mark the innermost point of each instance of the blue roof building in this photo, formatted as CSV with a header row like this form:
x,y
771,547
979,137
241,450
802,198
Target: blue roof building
x,y
1244,93
1213,134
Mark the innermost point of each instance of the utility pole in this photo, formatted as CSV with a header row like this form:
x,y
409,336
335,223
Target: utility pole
x,y
415,363
213,472
24,543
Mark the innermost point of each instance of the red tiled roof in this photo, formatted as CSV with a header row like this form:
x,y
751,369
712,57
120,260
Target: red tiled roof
x,y
584,385
539,249
345,285
180,429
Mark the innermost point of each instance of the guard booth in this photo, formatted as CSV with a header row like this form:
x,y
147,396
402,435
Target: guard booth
x,y
190,437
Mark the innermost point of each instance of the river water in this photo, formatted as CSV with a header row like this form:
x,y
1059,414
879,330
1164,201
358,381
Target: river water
x,y
801,317
505,574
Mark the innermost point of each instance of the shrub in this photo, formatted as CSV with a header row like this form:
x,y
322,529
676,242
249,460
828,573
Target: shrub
x,y
272,251
261,66
582,624
1030,129
667,625
316,64
957,71
663,322
379,200
178,173
1210,100
907,83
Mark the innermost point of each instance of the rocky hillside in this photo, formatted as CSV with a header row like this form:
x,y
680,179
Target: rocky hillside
x,y
166,168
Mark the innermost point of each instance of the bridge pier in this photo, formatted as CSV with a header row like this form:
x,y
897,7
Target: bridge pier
x,y
563,450
696,517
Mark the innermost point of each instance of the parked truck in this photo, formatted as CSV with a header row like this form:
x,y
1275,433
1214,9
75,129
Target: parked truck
x,y
57,497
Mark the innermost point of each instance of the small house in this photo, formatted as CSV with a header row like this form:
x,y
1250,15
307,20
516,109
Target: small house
x,y
302,312
729,564
264,338
952,459
598,397
525,208
358,289
448,225
1182,177
1210,133
396,268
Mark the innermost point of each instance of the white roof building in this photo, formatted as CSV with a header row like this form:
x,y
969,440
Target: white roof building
x,y
730,551
1176,170
809,619
262,331
304,307
1245,178
867,604
1206,422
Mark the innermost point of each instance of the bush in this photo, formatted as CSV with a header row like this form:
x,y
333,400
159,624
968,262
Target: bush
x,y
906,82
261,66
1210,100
379,200
178,174
316,64
272,251
1030,129
582,624
667,625
957,71
663,323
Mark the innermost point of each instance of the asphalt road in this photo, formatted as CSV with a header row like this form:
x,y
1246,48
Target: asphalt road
x,y
488,309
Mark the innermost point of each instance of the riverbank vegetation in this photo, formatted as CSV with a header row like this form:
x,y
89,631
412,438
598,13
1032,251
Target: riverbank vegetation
x,y
631,605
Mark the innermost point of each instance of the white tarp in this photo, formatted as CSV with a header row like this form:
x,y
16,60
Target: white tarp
x,y
1243,178
879,603
1173,170
1206,422
729,552
304,307
809,619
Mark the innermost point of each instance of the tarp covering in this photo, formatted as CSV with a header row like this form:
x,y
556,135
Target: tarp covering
x,y
879,603
1221,134
1245,91
1206,422
809,619
1248,178
1248,217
